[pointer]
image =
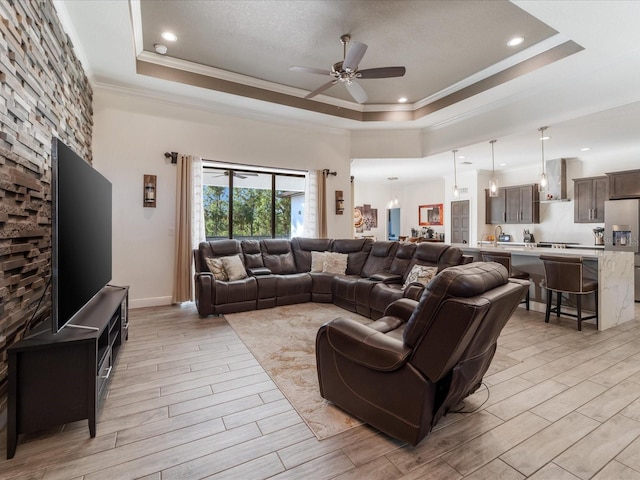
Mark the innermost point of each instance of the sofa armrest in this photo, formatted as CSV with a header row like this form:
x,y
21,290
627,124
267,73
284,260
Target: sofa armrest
x,y
366,346
401,308
258,271
414,291
205,292
386,277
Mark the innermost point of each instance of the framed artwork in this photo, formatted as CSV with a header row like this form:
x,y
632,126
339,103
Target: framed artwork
x,y
431,214
365,218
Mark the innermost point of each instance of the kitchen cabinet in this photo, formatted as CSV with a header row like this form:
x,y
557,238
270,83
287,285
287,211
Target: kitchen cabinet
x,y
522,204
494,207
589,197
624,184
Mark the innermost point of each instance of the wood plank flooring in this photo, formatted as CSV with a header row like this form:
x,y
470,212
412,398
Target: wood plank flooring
x,y
188,400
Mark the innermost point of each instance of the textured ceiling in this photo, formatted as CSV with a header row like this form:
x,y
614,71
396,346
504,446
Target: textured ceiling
x,y
440,43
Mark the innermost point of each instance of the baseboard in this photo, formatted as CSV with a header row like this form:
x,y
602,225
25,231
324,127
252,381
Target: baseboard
x,y
149,302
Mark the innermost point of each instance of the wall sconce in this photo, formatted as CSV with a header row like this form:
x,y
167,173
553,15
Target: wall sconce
x,y
149,191
339,202
172,155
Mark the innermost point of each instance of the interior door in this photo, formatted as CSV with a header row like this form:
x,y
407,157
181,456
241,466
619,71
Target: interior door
x,y
394,223
460,221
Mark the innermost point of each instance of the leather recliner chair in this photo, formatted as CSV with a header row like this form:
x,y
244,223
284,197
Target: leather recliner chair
x,y
402,372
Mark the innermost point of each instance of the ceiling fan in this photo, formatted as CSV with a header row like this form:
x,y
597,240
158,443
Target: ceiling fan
x,y
236,174
347,71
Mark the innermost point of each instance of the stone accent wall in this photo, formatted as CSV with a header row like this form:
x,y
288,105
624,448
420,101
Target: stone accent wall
x,y
43,93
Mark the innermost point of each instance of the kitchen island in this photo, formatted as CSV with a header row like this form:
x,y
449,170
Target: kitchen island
x,y
613,270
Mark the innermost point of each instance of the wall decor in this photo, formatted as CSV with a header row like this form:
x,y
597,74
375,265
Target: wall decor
x,y
365,218
431,214
149,195
339,202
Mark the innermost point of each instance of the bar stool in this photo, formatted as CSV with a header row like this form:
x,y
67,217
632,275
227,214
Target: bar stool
x,y
565,275
504,259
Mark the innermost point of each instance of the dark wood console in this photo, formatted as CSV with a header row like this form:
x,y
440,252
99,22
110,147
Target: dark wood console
x,y
60,378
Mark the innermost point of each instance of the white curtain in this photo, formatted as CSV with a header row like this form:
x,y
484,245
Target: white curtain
x,y
315,213
197,221
310,228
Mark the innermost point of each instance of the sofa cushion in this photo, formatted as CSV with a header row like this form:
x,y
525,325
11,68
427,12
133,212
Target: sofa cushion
x,y
379,259
277,255
234,267
216,267
302,248
420,274
317,261
335,263
402,258
252,254
357,250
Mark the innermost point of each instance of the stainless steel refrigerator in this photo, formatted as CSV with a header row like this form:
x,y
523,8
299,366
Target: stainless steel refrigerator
x,y
621,228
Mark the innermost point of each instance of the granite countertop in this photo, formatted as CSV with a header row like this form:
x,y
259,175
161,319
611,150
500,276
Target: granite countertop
x,y
532,250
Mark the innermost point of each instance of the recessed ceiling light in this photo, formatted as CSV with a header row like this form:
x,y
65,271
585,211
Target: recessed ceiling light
x,y
545,138
585,149
502,164
460,157
161,49
515,41
169,37
402,100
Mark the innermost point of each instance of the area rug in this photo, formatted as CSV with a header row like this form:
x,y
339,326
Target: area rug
x,y
283,340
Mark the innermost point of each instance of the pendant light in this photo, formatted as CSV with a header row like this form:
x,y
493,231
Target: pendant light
x,y
493,184
543,177
394,202
456,193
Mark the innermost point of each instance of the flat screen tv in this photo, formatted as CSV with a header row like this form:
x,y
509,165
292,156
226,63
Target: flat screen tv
x,y
81,233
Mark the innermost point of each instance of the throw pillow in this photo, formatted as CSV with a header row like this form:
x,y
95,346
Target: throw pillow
x,y
217,268
234,267
317,261
420,274
335,263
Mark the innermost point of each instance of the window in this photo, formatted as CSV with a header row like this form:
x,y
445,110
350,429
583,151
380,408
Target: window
x,y
242,203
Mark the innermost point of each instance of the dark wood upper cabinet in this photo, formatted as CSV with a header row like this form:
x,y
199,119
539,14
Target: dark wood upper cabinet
x,y
624,184
495,207
522,204
518,204
589,197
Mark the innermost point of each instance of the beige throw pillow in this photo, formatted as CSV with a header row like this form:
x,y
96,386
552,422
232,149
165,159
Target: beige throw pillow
x,y
317,261
420,274
335,263
234,267
217,268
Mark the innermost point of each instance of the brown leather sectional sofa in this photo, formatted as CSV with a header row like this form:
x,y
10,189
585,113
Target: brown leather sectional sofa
x,y
279,273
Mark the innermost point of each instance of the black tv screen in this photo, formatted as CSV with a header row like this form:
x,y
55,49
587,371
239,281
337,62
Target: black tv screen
x,y
81,239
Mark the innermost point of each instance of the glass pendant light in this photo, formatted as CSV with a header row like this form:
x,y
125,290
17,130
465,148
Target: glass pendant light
x,y
456,193
543,177
493,184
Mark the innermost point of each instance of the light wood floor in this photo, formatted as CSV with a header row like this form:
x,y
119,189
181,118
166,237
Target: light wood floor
x,y
188,400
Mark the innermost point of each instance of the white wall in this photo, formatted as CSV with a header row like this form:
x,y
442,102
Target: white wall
x,y
130,136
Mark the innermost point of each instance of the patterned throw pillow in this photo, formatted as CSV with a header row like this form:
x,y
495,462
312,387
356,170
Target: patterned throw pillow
x,y
420,274
217,268
234,267
335,263
317,261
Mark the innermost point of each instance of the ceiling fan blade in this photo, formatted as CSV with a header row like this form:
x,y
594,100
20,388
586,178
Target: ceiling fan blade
x,y
354,55
322,88
319,71
357,92
382,72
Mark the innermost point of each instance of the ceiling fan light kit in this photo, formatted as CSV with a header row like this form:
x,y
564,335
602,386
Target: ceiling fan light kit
x,y
346,71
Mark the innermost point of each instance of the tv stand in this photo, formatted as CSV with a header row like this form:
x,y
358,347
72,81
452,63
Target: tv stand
x,y
60,378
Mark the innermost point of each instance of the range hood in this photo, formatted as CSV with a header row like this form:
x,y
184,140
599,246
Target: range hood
x,y
556,191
